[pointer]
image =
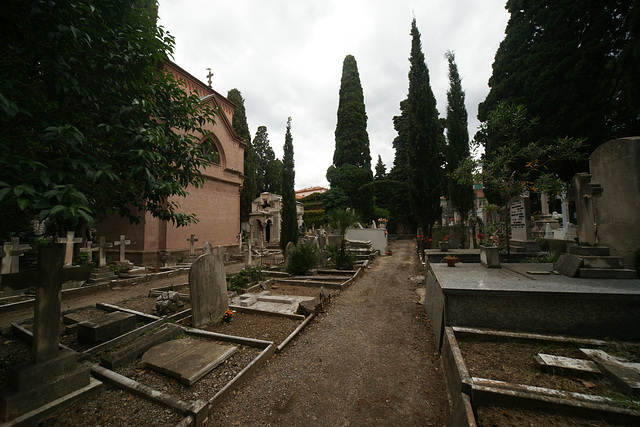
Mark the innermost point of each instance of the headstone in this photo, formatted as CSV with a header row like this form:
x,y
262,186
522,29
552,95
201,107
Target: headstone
x,y
11,258
102,259
373,224
248,262
68,242
102,273
583,193
208,290
53,375
90,249
187,359
544,202
239,241
568,265
169,260
122,243
207,249
520,212
287,252
192,245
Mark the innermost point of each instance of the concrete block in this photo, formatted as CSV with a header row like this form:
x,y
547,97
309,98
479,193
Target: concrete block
x,y
106,327
566,366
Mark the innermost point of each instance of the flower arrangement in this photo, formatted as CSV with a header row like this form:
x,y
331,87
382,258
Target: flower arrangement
x,y
382,220
450,260
227,316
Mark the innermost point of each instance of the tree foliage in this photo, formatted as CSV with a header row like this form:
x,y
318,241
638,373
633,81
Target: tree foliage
x,y
574,65
289,226
352,144
268,167
461,196
240,126
422,132
90,124
381,169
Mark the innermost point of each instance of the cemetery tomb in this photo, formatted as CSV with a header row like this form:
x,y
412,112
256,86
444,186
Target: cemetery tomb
x,y
106,327
187,359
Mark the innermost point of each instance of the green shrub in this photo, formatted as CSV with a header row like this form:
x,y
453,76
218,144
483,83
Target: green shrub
x,y
302,258
240,281
340,258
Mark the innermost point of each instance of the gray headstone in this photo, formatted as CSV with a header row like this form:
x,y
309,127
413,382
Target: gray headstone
x,y
287,251
520,212
192,244
208,290
207,249
583,193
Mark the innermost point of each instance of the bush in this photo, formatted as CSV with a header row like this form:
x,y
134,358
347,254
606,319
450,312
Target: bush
x,y
339,258
302,258
240,281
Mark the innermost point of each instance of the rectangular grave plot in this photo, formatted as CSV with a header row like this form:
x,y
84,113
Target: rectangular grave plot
x,y
146,304
206,387
112,406
513,361
105,328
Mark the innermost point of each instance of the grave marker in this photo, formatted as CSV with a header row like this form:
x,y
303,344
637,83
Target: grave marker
x,y
520,212
90,249
122,243
208,289
11,257
68,242
192,242
583,193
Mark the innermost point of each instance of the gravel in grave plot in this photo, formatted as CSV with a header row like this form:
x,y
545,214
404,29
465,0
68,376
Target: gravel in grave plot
x,y
303,291
512,361
114,407
257,326
499,416
145,304
13,351
205,388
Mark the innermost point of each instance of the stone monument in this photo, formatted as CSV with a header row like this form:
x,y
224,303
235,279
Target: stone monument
x,y
208,289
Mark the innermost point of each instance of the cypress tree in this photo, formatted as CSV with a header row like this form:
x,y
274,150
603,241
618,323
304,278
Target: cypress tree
x,y
422,133
289,224
268,168
240,126
460,195
381,169
351,169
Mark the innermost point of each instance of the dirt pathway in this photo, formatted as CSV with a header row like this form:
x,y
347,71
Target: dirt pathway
x,y
369,360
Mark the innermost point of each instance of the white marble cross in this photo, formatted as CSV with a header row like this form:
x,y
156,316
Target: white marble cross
x,y
90,249
68,242
193,241
102,255
122,243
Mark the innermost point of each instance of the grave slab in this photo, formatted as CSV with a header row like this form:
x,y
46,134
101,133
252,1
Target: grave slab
x,y
187,359
264,301
567,366
624,374
569,265
106,327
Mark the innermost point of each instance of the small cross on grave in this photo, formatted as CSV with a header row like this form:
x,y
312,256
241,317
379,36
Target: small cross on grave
x,y
122,243
11,255
192,240
583,192
68,242
102,254
90,249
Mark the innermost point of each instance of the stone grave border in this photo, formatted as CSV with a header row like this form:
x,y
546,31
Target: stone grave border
x,y
195,412
90,288
469,393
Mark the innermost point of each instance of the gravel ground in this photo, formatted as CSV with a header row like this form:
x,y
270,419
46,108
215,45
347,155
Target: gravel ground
x,y
369,360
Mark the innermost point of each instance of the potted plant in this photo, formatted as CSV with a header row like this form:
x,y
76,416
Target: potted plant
x,y
450,260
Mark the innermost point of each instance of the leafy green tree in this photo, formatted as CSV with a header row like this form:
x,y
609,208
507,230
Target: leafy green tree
x,y
574,66
460,195
268,168
289,225
240,126
421,131
341,219
352,143
90,124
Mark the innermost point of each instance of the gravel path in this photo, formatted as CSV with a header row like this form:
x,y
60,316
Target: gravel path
x,y
369,360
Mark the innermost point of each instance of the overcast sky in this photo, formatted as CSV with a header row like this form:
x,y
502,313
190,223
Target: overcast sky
x,y
285,56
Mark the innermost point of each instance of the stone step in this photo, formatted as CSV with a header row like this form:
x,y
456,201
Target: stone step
x,y
589,250
602,262
607,273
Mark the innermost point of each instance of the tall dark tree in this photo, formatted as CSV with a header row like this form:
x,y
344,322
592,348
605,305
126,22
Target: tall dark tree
x,y
351,169
421,131
460,195
269,168
90,123
381,169
240,126
568,63
289,225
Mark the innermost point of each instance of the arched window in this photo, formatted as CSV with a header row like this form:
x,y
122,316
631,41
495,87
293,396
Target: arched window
x,y
210,151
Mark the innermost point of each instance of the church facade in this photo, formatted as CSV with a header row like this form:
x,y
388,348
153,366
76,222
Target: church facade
x,y
216,203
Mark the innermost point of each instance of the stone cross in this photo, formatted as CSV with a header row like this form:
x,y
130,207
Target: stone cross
x,y
192,240
544,202
122,243
11,255
46,320
68,242
583,192
90,249
102,254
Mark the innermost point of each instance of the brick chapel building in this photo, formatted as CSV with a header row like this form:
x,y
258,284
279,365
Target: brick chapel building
x,y
216,203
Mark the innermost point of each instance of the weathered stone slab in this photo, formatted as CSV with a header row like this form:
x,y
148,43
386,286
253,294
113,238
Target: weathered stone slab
x,y
106,327
569,265
187,359
566,365
246,301
71,318
208,290
625,374
136,348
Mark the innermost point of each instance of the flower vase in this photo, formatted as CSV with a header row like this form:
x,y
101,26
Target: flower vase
x,y
490,256
444,246
451,263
